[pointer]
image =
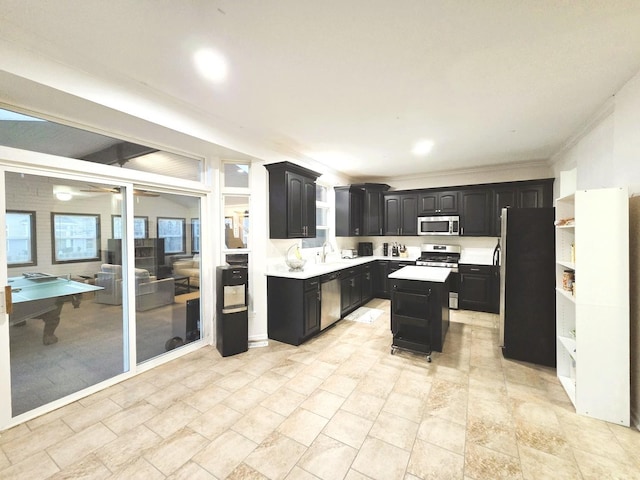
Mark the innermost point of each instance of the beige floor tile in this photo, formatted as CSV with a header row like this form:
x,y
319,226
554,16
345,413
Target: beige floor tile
x,y
404,406
215,421
381,461
224,453
191,471
339,384
245,399
90,467
481,463
206,398
235,380
328,459
284,401
269,382
496,436
323,403
355,475
127,447
92,414
276,456
39,465
172,419
375,385
41,438
258,424
537,464
363,405
70,450
175,451
395,430
599,467
298,473
133,393
548,439
338,406
430,462
348,428
443,433
131,417
139,469
303,426
303,383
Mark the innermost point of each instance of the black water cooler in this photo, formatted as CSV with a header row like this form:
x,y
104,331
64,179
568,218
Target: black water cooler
x,y
232,323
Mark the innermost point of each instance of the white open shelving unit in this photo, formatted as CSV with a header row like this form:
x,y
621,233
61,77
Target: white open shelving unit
x,y
592,320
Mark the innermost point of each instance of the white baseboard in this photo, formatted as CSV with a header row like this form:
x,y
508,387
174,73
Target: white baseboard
x,y
258,341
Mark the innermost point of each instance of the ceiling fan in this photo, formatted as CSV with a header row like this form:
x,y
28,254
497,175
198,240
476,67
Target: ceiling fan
x,y
137,192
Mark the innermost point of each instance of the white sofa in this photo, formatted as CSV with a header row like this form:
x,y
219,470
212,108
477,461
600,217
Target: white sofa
x,y
189,267
150,292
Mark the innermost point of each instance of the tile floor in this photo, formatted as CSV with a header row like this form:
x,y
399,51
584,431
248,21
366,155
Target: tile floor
x,y
338,407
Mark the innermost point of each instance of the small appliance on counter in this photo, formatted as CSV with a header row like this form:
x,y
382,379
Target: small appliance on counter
x,y
385,249
349,253
365,249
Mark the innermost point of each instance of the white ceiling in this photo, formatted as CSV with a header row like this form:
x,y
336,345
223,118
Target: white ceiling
x,y
354,84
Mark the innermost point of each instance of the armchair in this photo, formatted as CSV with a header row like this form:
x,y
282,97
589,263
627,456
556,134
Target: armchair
x,y
150,292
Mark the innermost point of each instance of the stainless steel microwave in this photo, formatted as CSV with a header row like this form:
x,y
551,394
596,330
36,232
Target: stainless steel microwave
x,y
449,225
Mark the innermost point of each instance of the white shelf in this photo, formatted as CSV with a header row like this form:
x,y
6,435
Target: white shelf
x,y
566,264
569,387
569,344
566,294
600,315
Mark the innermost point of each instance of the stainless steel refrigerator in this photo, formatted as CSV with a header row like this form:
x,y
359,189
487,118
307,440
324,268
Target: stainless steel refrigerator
x,y
527,285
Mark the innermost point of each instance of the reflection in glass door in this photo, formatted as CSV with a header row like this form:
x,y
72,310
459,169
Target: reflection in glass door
x,y
167,274
66,324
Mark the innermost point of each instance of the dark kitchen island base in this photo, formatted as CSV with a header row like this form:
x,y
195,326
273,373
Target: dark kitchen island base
x,y
419,314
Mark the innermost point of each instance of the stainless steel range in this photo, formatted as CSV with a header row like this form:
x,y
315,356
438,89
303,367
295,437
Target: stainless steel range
x,y
434,255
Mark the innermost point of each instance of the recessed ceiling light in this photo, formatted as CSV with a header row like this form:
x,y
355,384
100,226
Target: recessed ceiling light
x,y
423,147
64,196
211,65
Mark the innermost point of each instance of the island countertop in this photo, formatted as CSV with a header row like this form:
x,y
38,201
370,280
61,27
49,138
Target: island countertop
x,y
423,274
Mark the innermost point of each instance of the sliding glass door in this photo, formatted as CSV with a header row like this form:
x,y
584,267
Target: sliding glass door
x,y
66,328
167,273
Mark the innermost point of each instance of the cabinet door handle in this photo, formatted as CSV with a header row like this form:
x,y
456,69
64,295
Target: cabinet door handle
x,y
461,230
474,269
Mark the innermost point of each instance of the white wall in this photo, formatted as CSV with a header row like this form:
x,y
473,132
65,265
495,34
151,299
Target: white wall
x,y
607,154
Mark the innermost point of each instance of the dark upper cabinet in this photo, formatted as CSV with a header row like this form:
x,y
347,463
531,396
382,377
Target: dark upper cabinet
x,y
349,211
360,209
292,201
373,208
476,213
401,214
525,194
438,203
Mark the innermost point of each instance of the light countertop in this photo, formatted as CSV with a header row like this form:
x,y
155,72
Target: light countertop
x,y
316,269
423,274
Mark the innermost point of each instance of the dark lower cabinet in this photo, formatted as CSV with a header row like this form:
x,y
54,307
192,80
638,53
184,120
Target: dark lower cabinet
x,y
350,290
367,283
477,288
380,284
394,266
293,309
419,315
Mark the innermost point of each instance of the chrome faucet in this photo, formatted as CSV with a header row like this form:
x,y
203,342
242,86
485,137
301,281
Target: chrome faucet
x,y
323,255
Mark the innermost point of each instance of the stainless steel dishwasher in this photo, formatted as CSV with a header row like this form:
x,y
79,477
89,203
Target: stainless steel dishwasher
x,y
330,299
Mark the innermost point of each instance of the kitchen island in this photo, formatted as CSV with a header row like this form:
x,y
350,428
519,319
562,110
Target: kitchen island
x,y
419,308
